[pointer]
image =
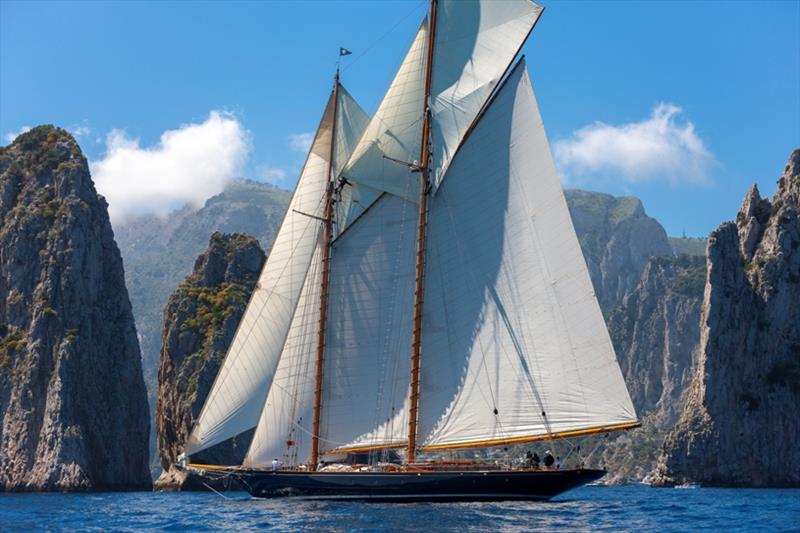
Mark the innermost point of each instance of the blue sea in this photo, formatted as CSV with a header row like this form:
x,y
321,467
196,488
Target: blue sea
x,y
585,509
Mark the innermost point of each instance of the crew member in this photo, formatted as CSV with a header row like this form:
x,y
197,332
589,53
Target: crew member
x,y
548,459
275,465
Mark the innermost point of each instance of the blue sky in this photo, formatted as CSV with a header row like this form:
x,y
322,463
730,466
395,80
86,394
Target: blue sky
x,y
725,75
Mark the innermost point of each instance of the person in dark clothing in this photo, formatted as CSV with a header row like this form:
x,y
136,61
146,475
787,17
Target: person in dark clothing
x,y
528,458
535,461
548,459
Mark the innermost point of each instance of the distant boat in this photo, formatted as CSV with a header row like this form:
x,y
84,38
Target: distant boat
x,y
447,197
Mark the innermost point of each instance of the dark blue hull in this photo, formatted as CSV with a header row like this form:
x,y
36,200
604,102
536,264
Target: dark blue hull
x,y
491,485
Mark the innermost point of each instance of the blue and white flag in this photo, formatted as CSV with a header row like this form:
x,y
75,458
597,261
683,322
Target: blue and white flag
x,y
344,52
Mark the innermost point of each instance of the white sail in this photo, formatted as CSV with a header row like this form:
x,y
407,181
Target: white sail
x,y
351,121
395,130
476,41
514,345
236,399
365,383
285,427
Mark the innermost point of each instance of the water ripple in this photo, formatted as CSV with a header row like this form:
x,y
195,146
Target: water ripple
x,y
593,509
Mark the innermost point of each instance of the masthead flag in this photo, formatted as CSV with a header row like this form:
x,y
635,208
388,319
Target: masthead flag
x,y
344,52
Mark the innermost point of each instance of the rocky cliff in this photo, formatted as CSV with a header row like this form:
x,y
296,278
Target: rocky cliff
x,y
741,422
656,333
617,239
72,398
200,320
159,252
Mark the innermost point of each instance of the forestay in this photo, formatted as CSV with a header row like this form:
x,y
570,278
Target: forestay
x,y
395,129
365,379
236,399
476,41
514,344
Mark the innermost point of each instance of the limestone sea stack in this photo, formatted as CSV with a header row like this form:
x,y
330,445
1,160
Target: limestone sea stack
x,y
741,422
200,320
72,397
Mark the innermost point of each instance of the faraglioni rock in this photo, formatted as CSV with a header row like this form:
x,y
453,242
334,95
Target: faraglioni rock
x,y
72,396
741,422
200,321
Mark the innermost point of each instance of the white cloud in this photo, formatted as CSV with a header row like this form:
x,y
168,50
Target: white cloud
x,y
11,135
301,142
188,165
659,148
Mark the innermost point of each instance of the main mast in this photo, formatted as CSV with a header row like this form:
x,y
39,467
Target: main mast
x,y
326,270
422,229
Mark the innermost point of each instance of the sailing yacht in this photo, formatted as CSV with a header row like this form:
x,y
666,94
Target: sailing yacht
x,y
426,292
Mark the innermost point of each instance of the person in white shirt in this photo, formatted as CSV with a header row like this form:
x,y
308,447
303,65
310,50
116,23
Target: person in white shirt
x,y
275,465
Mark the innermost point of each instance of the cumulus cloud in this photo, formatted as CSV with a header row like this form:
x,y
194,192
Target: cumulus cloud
x,y
11,135
188,165
301,142
661,147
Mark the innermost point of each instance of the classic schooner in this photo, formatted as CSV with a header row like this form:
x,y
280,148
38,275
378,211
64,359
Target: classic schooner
x,y
425,292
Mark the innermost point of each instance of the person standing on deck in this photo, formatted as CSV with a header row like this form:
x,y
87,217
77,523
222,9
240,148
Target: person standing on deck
x,y
275,465
548,459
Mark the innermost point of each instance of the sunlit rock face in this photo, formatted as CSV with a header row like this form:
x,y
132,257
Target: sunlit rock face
x,y
741,422
72,397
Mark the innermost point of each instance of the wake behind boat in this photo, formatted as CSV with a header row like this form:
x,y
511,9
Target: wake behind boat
x,y
425,293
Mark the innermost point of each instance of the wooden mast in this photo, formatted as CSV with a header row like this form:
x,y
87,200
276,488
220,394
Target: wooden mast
x,y
326,270
422,229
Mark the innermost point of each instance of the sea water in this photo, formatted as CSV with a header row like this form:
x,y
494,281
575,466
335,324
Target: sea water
x,y
585,509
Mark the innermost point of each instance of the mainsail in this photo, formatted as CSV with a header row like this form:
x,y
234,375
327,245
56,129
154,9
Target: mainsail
x,y
514,344
237,397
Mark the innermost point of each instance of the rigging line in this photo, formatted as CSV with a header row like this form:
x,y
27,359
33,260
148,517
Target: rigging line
x,y
212,489
382,37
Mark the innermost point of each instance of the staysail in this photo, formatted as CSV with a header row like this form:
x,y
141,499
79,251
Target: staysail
x,y
369,329
514,344
476,41
394,130
237,397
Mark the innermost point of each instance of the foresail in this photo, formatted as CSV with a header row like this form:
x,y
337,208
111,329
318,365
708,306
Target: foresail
x,y
395,130
365,381
237,397
514,344
476,41
285,427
